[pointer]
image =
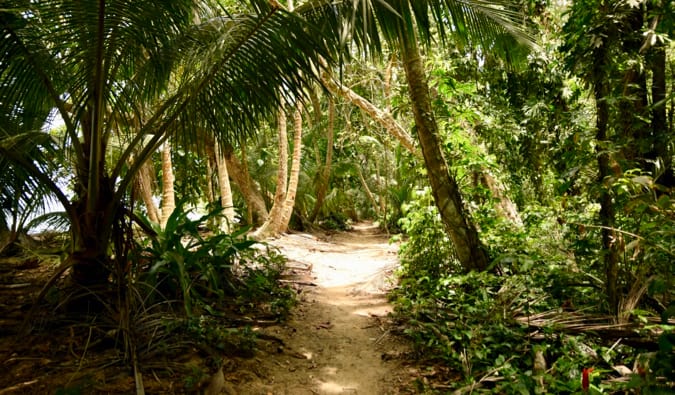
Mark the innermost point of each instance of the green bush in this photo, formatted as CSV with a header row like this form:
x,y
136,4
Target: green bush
x,y
200,269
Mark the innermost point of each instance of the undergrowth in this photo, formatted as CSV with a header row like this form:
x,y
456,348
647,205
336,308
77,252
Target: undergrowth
x,y
189,299
507,330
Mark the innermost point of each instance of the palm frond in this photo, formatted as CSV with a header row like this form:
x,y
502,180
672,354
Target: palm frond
x,y
234,69
27,162
25,66
495,26
56,221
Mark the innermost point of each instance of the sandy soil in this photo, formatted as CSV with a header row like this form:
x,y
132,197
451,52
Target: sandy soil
x,y
336,341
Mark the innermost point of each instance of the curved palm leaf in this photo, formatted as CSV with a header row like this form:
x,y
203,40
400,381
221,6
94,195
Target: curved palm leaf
x,y
225,87
493,25
26,173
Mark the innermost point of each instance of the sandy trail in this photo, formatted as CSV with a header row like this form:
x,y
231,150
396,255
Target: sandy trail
x,y
335,339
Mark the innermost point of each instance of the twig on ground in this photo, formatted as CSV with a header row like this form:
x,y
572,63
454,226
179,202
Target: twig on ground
x,y
17,387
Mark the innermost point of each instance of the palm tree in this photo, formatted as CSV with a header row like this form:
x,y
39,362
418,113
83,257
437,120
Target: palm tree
x,y
294,174
494,26
168,193
272,222
100,64
226,200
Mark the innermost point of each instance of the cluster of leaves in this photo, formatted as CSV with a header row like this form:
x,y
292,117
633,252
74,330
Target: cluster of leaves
x,y
421,259
209,330
181,263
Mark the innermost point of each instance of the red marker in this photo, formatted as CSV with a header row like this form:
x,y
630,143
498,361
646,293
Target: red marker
x,y
585,381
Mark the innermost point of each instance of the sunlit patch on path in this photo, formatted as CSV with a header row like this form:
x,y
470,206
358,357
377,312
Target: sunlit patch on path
x,y
338,332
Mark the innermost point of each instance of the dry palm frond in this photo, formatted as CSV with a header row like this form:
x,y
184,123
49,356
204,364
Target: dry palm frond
x,y
628,304
577,322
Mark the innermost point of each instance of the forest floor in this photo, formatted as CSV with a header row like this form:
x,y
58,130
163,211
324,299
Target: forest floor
x,y
338,339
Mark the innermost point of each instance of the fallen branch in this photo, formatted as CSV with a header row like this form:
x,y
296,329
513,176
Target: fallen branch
x,y
299,282
17,387
15,286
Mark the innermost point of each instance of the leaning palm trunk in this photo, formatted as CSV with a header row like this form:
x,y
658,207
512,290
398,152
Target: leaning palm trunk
x,y
471,253
210,163
366,189
144,183
289,203
384,118
226,200
268,228
504,206
168,194
238,170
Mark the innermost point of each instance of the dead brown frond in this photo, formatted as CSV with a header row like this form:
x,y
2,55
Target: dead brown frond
x,y
630,301
604,326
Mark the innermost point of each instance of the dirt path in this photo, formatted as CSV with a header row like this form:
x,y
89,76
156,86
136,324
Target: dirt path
x,y
335,342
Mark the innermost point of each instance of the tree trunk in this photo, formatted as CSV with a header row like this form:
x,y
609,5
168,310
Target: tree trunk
x,y
471,253
633,99
292,191
660,132
168,195
504,207
144,182
607,215
267,229
369,194
324,177
226,200
249,191
210,163
385,119
94,211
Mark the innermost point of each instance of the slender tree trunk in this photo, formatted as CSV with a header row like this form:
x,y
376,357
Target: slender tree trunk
x,y
633,100
249,185
385,119
471,253
210,162
145,182
168,195
267,229
504,207
607,214
324,179
251,194
210,184
660,132
226,199
369,194
296,158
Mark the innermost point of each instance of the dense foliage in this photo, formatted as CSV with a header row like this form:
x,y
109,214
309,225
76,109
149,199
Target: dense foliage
x,y
585,279
527,169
